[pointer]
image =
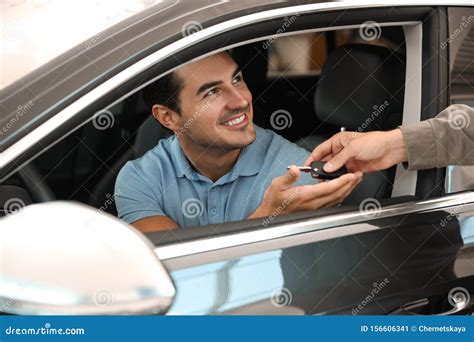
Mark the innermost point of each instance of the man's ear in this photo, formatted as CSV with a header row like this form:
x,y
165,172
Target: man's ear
x,y
167,117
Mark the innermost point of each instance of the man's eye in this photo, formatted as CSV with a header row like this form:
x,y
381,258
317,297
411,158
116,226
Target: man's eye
x,y
212,92
237,79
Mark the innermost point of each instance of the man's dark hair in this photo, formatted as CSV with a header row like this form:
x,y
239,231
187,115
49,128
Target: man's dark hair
x,y
165,92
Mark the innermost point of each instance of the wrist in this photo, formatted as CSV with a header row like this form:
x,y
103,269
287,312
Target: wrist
x,y
397,147
261,211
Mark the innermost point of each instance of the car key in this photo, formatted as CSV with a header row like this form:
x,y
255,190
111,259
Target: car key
x,y
317,171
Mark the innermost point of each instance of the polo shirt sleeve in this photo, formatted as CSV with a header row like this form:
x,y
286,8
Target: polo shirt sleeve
x,y
134,198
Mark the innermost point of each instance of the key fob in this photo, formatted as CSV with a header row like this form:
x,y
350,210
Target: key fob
x,y
317,171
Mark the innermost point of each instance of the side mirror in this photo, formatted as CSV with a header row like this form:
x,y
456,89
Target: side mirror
x,y
63,258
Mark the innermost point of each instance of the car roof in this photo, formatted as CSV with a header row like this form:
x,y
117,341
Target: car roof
x,y
37,97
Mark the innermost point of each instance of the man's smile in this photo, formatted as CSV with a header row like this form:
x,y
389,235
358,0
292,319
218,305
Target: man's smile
x,y
237,121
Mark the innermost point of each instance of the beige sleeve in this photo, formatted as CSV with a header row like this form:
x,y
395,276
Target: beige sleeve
x,y
445,140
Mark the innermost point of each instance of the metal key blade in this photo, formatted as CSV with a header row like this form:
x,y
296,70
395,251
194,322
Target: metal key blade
x,y
302,168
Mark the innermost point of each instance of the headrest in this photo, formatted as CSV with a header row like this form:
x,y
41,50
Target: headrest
x,y
361,88
148,136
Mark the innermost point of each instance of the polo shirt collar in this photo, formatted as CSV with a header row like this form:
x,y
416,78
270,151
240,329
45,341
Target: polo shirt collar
x,y
181,164
249,162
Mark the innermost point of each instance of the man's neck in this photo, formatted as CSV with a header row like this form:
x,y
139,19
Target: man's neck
x,y
212,162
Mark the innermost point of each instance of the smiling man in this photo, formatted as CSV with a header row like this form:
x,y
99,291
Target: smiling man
x,y
218,166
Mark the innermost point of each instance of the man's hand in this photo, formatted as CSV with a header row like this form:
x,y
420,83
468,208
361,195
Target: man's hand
x,y
365,152
281,197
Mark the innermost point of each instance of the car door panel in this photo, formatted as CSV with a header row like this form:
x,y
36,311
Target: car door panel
x,y
397,260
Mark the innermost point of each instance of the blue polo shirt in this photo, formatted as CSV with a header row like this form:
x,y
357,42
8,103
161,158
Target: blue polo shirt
x,y
163,182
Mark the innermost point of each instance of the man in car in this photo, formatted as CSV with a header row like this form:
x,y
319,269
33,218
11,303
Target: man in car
x,y
218,166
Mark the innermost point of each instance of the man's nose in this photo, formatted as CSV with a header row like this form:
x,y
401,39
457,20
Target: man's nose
x,y
236,100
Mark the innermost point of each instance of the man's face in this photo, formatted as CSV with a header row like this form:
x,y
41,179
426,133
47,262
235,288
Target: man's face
x,y
216,105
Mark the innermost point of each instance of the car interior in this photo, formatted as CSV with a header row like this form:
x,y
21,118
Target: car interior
x,y
344,80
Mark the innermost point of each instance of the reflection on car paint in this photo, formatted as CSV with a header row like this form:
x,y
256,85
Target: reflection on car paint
x,y
226,285
467,229
420,252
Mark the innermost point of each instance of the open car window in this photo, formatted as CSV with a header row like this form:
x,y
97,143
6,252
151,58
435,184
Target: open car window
x,y
290,104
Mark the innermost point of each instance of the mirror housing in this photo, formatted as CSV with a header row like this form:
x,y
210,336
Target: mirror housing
x,y
64,258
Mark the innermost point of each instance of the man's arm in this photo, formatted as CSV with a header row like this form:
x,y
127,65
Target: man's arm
x,y
137,203
154,224
445,140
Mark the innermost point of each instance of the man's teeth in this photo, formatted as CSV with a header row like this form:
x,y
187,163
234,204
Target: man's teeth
x,y
235,121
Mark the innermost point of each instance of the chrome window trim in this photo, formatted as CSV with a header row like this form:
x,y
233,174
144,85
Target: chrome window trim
x,y
21,146
181,249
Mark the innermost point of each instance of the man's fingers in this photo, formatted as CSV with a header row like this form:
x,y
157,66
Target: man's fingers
x,y
340,159
339,196
346,190
310,192
284,182
326,200
336,197
319,152
327,158
331,146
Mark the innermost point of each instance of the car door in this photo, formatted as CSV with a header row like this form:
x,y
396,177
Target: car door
x,y
413,257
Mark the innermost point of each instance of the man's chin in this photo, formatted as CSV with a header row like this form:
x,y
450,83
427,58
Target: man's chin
x,y
238,140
